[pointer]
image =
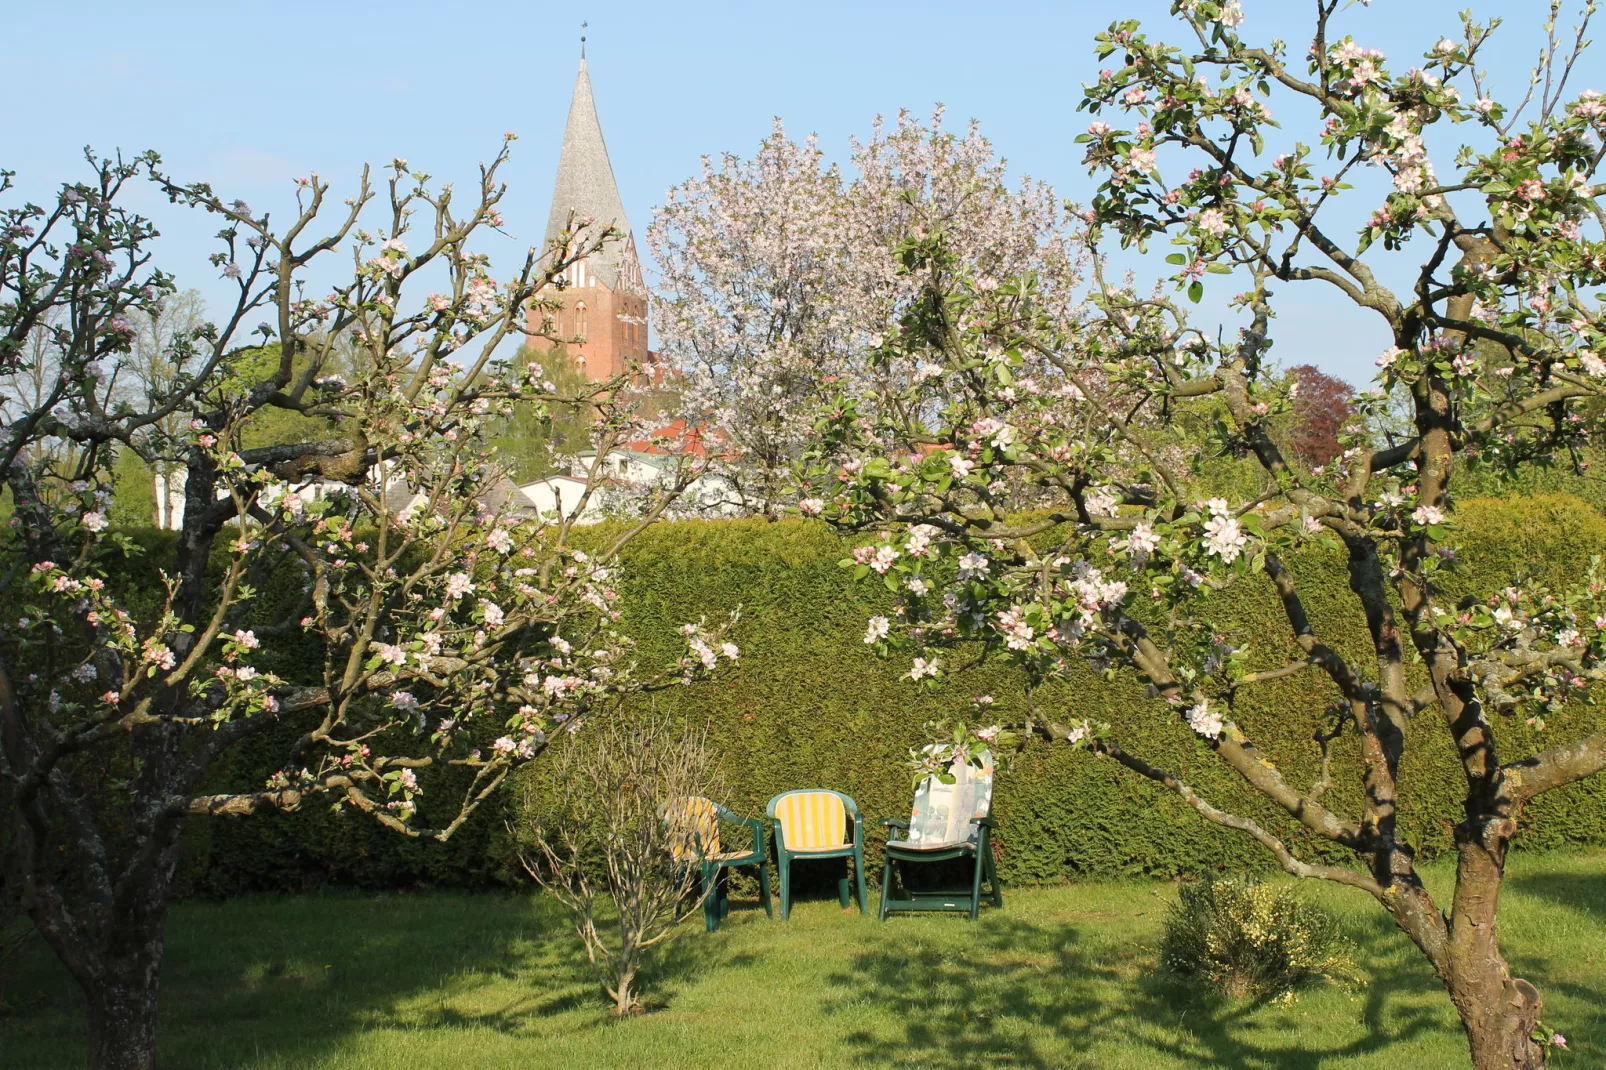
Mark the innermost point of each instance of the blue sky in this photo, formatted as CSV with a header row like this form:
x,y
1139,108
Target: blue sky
x,y
249,95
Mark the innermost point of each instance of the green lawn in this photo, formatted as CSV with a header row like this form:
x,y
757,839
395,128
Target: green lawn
x,y
1062,977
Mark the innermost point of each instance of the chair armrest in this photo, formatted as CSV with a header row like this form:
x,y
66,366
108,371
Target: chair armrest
x,y
894,823
987,821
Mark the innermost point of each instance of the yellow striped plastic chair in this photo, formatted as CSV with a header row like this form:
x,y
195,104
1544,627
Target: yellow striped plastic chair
x,y
817,823
694,824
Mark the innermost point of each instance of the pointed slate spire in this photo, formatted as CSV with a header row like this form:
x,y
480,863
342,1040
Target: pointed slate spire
x,y
586,187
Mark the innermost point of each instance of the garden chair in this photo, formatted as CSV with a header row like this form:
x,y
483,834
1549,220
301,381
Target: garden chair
x,y
697,819
815,823
948,821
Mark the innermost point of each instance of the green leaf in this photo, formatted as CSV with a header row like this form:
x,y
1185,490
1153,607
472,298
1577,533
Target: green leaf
x,y
1195,291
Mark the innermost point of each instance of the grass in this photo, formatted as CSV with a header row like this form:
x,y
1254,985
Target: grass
x,y
1062,977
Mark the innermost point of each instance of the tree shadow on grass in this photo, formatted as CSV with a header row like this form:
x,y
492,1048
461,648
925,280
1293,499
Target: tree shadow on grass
x,y
292,979
1583,892
994,999
1402,1004
1031,994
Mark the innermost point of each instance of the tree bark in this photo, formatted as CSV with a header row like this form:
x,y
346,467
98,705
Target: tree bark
x,y
623,991
1500,1021
122,1017
1499,1012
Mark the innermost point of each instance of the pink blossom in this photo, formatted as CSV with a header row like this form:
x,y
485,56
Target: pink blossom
x,y
390,653
1143,539
1225,538
1205,721
1213,221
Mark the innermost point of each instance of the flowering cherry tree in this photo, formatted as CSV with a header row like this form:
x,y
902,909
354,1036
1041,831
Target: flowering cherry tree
x,y
1496,343
778,273
455,629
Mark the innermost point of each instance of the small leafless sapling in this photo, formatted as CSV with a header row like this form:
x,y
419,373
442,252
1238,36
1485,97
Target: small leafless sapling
x,y
612,834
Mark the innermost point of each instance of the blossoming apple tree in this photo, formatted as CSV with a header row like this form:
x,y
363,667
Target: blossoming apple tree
x,y
778,273
452,628
1496,333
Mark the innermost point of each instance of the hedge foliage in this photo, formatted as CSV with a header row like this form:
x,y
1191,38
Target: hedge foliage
x,y
810,705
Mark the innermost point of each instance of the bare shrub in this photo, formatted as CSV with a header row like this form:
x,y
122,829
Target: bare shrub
x,y
610,834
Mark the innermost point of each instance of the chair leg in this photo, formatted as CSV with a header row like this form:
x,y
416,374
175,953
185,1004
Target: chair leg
x,y
842,890
784,864
764,888
975,887
886,889
858,876
992,879
710,897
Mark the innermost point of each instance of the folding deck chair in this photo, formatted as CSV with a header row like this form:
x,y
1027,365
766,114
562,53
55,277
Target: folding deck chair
x,y
948,821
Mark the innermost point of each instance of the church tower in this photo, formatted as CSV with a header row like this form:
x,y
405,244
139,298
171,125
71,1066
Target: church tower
x,y
604,300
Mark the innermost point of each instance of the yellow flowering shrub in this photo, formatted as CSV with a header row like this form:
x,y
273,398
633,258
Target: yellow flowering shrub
x,y
1250,938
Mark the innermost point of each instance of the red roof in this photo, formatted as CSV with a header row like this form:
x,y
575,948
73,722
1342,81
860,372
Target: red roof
x,y
679,438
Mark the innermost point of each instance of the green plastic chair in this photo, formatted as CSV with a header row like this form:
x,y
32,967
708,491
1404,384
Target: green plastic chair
x,y
948,821
700,845
817,823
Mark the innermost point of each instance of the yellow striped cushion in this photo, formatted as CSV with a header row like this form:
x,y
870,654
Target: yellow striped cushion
x,y
695,828
812,821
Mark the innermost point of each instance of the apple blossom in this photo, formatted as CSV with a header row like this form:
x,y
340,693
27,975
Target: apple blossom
x,y
374,495
1489,302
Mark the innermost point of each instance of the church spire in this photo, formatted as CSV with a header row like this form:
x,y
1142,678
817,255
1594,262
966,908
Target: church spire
x,y
586,187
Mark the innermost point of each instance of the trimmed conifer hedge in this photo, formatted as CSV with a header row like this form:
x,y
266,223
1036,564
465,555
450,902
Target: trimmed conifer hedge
x,y
811,705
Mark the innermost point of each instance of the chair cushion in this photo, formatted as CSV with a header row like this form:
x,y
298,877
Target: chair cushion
x,y
946,814
812,821
695,828
930,845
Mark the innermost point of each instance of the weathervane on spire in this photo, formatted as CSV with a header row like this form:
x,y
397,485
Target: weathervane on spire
x,y
583,26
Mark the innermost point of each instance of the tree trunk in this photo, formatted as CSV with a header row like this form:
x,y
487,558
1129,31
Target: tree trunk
x,y
122,1021
624,994
113,947
625,1003
1500,1014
